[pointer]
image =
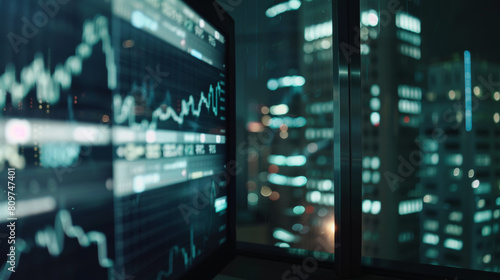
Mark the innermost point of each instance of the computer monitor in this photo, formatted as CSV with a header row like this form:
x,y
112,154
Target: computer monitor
x,y
117,128
170,136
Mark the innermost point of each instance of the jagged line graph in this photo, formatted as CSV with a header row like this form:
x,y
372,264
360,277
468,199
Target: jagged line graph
x,y
213,194
49,85
52,238
188,255
123,109
188,261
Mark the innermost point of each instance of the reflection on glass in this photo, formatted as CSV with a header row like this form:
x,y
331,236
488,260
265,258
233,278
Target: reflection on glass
x,y
430,106
113,139
286,62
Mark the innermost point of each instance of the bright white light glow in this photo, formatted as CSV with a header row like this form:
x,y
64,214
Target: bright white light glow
x,y
454,244
369,18
17,131
375,164
375,90
282,180
276,122
483,216
278,110
151,136
430,238
283,235
365,49
287,81
376,207
366,206
410,206
410,92
288,161
375,118
408,22
275,10
375,104
475,184
318,31
409,107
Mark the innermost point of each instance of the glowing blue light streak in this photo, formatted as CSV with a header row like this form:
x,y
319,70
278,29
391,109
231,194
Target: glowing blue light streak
x,y
196,54
468,91
282,180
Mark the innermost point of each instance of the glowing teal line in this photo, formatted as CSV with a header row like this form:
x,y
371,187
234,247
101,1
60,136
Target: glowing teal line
x,y
48,85
52,238
468,91
188,260
123,109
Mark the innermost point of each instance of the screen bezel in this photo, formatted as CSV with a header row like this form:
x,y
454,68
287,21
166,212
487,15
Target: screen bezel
x,y
215,262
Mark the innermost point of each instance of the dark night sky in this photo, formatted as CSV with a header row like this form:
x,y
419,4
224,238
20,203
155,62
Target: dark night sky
x,y
454,26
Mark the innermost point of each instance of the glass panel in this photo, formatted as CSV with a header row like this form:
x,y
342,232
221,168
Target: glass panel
x,y
430,88
56,81
284,60
112,139
170,193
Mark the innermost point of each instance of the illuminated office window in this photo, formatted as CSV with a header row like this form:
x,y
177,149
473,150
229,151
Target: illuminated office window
x,y
287,107
431,119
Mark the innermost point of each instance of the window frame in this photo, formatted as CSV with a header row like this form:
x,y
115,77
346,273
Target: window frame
x,y
367,265
346,94
347,138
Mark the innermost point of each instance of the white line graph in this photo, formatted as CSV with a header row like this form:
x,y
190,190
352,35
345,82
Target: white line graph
x,y
188,257
52,238
123,109
48,85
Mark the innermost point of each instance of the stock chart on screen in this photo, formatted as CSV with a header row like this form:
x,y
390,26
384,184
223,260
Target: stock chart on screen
x,y
113,118
169,138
